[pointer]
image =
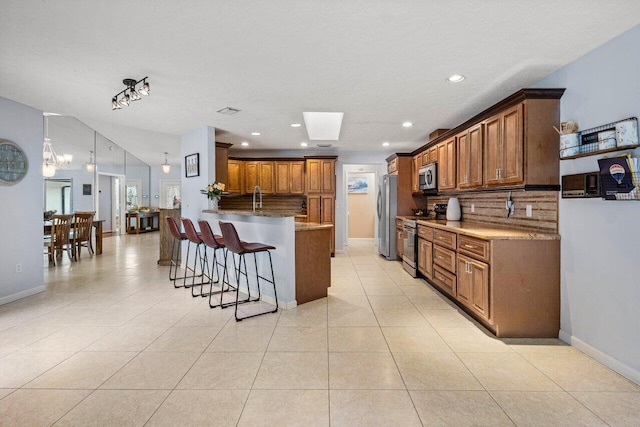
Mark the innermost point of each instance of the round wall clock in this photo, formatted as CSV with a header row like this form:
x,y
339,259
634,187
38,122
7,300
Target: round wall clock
x,y
13,163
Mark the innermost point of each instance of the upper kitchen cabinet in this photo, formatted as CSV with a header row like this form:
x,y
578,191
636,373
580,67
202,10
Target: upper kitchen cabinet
x,y
504,148
447,164
417,164
511,144
405,165
222,162
259,173
470,157
289,177
321,175
234,176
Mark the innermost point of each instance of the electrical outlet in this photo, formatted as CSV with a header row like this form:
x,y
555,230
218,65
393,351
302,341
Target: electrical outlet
x,y
18,268
529,211
473,208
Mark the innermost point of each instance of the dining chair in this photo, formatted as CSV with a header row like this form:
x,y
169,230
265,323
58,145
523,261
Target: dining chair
x,y
60,239
82,227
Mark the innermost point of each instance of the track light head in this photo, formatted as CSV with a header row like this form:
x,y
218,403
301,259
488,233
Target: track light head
x,y
134,95
114,104
144,90
124,101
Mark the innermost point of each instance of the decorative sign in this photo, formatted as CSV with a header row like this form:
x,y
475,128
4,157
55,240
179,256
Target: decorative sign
x,y
192,165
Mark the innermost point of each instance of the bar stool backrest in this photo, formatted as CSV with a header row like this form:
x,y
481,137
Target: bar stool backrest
x,y
231,239
173,228
207,235
190,231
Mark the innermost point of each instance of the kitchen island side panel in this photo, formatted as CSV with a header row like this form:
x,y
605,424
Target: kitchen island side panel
x,y
525,294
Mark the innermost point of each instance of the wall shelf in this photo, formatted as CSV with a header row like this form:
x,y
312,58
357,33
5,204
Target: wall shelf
x,y
596,135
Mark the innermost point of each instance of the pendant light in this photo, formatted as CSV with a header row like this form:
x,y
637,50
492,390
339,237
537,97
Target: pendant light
x,y
48,154
91,166
166,167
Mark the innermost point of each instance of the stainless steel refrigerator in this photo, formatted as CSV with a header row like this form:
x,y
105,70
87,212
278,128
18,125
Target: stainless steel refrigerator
x,y
387,211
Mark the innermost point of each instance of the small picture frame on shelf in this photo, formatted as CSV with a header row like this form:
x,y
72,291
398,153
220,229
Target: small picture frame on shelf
x,y
192,165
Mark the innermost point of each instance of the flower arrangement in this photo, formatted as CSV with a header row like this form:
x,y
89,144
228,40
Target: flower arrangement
x,y
213,190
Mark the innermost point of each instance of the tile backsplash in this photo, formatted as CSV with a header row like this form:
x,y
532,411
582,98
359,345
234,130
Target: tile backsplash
x,y
490,208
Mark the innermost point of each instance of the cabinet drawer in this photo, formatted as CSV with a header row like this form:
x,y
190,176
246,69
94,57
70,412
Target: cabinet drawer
x,y
445,258
425,232
475,247
445,280
445,238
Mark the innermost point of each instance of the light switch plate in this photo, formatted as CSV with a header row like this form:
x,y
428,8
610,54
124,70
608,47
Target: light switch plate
x,y
529,211
473,208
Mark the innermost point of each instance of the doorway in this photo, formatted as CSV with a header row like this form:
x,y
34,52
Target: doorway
x,y
361,199
169,193
110,202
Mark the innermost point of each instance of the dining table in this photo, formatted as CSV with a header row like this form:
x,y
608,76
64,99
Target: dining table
x,y
97,226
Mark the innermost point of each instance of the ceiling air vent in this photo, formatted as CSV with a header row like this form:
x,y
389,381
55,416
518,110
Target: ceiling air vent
x,y
324,145
229,111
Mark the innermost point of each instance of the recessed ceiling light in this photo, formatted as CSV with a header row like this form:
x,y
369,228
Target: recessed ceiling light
x,y
303,144
244,144
456,78
407,124
295,125
255,133
385,144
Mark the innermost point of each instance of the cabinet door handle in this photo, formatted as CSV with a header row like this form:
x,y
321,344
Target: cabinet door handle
x,y
469,246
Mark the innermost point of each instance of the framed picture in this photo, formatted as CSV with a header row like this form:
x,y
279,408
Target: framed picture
x,y
86,189
357,185
192,165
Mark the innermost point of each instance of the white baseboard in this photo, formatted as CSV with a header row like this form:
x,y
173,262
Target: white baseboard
x,y
601,357
23,294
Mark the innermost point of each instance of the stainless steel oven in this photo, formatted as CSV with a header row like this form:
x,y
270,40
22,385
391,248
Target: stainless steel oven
x,y
410,256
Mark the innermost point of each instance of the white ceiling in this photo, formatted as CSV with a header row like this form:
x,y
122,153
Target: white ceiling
x,y
379,62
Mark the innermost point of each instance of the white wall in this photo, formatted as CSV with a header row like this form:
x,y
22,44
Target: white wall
x,y
21,208
201,140
156,176
600,279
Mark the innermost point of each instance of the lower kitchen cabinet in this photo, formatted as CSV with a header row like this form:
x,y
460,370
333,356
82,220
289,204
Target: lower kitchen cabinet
x,y
473,285
509,282
425,258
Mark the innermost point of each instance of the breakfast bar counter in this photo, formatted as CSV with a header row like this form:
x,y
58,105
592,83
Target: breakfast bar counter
x,y
301,260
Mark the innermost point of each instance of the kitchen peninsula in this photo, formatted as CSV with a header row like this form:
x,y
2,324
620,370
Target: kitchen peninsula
x,y
301,260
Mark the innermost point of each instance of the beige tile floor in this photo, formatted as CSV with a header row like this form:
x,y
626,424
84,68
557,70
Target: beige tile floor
x,y
111,342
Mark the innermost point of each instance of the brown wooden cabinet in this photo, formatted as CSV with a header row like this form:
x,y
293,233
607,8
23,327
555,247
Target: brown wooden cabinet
x,y
392,167
473,285
417,164
447,164
470,157
504,147
400,243
425,258
234,180
320,189
320,175
289,176
259,173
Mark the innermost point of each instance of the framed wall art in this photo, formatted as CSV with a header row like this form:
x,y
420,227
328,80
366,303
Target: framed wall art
x,y
192,165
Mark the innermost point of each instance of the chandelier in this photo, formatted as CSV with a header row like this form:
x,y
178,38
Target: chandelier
x,y
166,167
50,160
130,93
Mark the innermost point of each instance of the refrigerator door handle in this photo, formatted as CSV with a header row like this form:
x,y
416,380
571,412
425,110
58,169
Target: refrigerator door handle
x,y
379,203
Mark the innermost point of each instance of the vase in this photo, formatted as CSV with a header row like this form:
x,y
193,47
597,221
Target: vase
x,y
213,203
453,209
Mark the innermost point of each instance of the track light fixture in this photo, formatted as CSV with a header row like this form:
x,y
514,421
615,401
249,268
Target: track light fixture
x,y
130,93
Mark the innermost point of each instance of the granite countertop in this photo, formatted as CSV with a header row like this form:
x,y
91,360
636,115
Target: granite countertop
x,y
251,213
488,232
303,226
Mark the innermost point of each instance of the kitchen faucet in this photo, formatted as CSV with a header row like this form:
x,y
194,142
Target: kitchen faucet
x,y
257,187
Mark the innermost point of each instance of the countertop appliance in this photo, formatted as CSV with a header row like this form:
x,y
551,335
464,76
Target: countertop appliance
x,y
428,177
581,185
440,209
410,247
387,211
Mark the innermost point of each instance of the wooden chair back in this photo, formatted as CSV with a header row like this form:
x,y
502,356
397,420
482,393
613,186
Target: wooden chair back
x,y
61,230
82,226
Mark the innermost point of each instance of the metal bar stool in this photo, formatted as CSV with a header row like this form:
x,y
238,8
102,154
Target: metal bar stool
x,y
215,242
194,237
240,248
178,237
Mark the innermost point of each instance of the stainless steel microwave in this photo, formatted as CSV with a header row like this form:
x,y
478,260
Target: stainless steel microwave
x,y
428,177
